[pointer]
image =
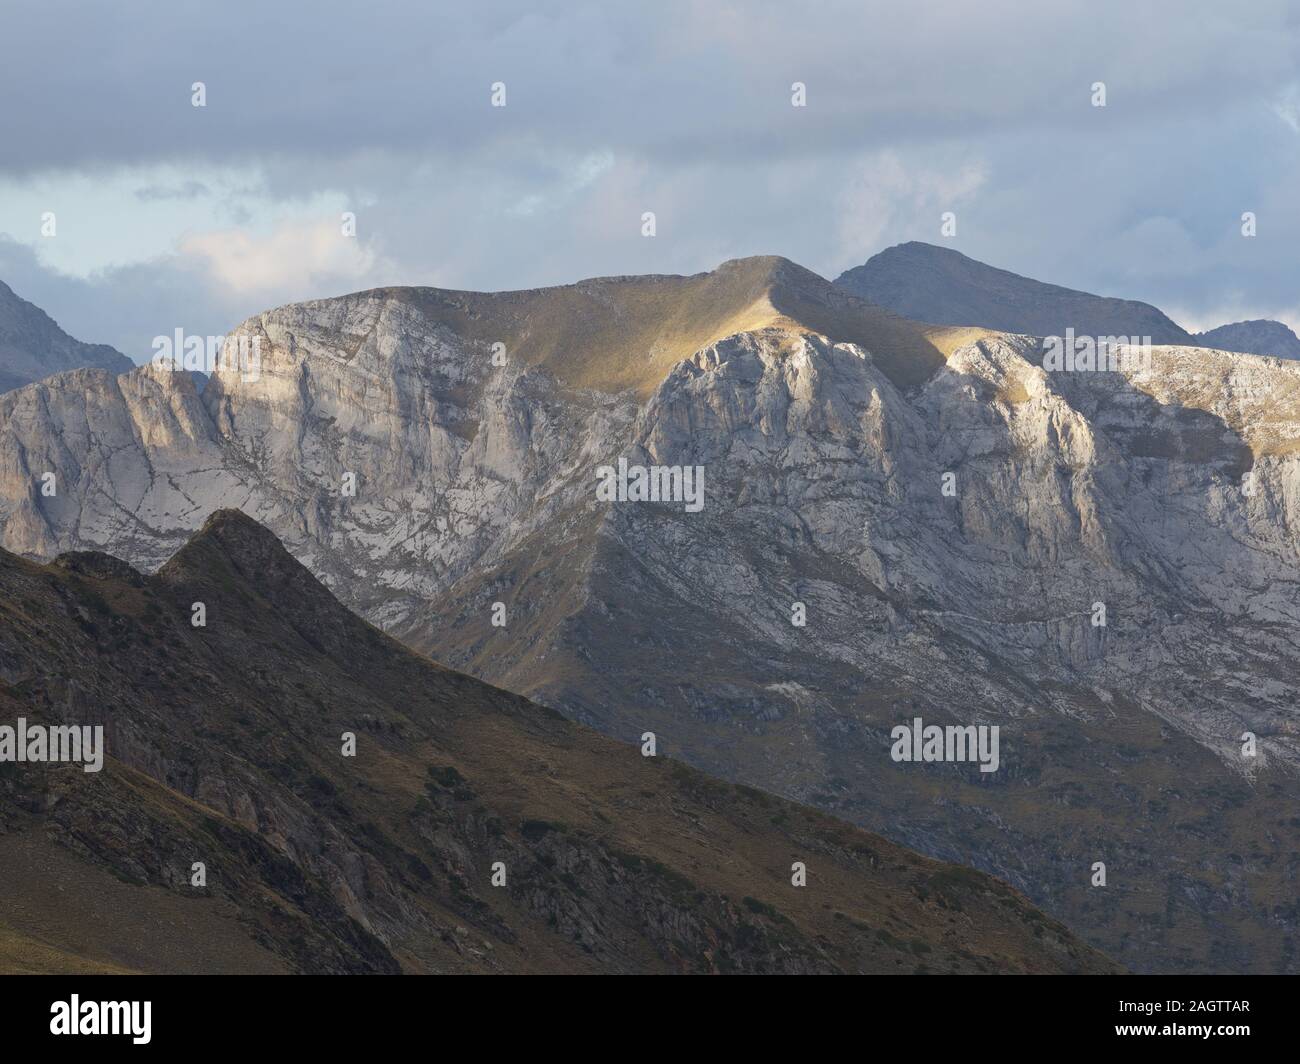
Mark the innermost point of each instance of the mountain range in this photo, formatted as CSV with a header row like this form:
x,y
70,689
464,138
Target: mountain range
x,y
901,521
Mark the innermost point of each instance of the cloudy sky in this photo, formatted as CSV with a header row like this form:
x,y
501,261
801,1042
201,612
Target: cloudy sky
x,y
173,216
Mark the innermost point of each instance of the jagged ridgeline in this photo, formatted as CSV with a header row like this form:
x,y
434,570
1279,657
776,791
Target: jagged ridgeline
x,y
288,789
899,522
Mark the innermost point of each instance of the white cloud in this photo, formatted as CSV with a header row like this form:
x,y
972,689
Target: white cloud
x,y
1287,107
298,257
886,198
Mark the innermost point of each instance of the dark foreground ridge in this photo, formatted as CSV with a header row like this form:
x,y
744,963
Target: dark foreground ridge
x,y
224,751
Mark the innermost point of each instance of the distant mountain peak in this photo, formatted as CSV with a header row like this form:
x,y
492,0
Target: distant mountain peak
x,y
926,282
32,346
1258,336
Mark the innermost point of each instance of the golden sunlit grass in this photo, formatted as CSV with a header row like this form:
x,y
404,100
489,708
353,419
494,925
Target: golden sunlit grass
x,y
626,333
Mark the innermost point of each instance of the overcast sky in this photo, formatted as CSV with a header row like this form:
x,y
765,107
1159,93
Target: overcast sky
x,y
174,216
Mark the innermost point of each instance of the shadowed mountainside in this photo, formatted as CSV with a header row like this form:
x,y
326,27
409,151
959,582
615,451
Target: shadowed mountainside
x,y
224,746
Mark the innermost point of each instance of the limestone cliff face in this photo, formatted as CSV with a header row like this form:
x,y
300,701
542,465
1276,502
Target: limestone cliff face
x,y
955,537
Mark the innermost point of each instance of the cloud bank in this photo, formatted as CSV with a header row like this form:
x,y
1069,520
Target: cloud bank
x,y
170,215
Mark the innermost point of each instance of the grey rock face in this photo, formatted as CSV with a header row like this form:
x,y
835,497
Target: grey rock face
x,y
1167,495
32,346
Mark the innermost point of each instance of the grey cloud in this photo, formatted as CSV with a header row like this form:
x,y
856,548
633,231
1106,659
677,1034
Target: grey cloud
x,y
184,191
387,105
659,80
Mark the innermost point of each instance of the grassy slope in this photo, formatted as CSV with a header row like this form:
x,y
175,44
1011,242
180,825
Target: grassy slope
x,y
622,333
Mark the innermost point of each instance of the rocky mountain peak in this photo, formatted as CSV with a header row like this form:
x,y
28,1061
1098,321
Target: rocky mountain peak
x,y
237,537
232,559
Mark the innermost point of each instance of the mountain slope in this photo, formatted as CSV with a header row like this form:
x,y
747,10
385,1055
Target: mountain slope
x,y
1258,337
32,346
940,285
1073,490
224,746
